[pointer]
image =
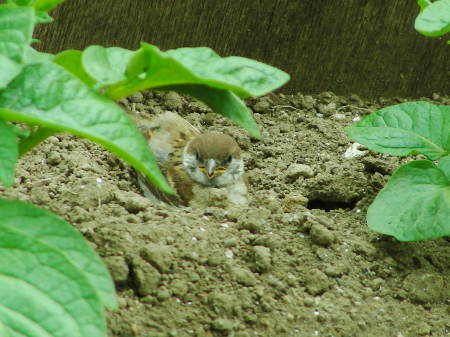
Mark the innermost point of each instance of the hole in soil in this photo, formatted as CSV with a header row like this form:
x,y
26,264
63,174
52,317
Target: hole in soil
x,y
326,206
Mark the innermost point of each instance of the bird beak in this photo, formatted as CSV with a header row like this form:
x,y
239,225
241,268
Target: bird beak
x,y
211,168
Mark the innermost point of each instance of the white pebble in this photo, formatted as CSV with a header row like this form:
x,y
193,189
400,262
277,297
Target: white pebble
x,y
229,254
354,151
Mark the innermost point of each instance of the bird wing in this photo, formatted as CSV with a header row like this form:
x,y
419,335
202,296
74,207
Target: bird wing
x,y
167,135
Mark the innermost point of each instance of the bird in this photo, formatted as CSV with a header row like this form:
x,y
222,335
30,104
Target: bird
x,y
194,164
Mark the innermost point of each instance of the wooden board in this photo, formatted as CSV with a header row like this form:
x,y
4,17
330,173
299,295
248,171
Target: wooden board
x,y
368,48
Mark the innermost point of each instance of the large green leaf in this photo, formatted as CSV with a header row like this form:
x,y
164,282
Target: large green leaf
x,y
406,129
434,19
106,65
245,77
8,70
9,153
414,205
199,72
41,7
43,293
32,56
444,165
46,94
16,27
187,70
51,229
3,332
72,61
22,2
151,68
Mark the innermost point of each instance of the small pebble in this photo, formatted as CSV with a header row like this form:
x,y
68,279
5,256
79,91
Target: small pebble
x,y
338,117
293,200
262,259
137,97
163,294
118,268
316,282
121,302
54,158
321,235
423,329
231,242
296,171
244,277
158,255
222,324
356,150
173,101
229,254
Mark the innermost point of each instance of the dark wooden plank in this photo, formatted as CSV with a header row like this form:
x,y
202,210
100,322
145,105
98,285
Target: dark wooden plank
x,y
346,46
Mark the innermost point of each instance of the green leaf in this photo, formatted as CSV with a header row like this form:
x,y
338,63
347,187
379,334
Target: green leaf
x,y
106,65
9,153
414,205
243,76
43,292
71,60
46,5
22,2
434,20
444,165
32,56
48,95
39,5
200,66
423,4
8,70
16,27
51,229
203,74
3,332
223,102
43,17
406,129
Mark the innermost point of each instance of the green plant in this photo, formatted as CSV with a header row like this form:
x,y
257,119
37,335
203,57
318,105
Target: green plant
x,y
51,282
415,203
434,18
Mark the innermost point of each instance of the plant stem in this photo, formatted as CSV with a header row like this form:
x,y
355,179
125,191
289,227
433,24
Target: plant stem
x,y
124,89
34,139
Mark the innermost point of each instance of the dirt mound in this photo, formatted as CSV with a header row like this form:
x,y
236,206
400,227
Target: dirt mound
x,y
299,261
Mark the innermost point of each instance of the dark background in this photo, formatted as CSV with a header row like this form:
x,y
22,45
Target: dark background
x,y
368,48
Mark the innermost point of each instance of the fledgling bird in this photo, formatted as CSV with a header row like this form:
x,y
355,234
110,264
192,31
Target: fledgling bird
x,y
193,163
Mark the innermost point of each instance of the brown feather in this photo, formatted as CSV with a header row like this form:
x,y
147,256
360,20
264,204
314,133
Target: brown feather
x,y
167,135
215,145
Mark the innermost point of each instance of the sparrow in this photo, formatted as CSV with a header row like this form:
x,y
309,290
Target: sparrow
x,y
193,163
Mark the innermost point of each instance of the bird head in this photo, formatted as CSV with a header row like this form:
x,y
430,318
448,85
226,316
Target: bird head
x,y
213,159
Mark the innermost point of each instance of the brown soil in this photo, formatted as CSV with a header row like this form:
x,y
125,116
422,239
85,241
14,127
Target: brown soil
x,y
299,261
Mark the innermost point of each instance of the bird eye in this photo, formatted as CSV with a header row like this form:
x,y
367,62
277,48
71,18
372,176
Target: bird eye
x,y
197,156
229,158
